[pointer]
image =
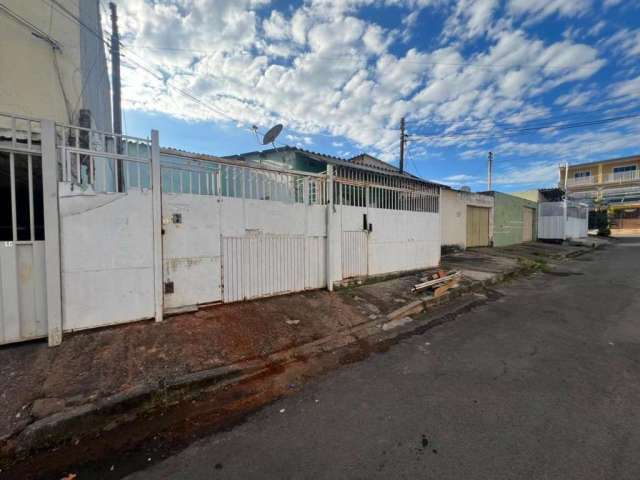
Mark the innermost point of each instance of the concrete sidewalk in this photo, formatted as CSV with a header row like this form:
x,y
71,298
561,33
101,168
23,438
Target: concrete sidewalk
x,y
47,391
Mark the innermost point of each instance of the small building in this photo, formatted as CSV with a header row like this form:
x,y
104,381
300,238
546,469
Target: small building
x,y
612,184
466,219
563,220
514,219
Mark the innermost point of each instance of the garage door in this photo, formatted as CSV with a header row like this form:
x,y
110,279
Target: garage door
x,y
477,227
527,224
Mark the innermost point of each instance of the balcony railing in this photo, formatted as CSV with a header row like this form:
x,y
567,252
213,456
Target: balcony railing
x,y
610,178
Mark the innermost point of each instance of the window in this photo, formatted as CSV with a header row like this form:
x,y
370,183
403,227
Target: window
x,y
582,174
624,169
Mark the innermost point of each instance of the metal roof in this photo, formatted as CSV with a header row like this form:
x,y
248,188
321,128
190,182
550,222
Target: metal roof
x,y
332,160
610,160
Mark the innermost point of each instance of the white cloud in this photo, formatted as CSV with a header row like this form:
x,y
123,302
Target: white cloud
x,y
324,68
537,10
471,18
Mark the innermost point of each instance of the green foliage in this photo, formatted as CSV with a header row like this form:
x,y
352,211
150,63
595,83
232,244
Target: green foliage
x,y
599,220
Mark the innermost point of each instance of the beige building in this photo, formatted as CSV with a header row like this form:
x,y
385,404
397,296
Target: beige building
x,y
466,219
612,184
52,59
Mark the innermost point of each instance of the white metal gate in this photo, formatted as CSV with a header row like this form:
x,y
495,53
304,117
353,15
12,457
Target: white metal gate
x,y
266,265
191,236
355,253
23,301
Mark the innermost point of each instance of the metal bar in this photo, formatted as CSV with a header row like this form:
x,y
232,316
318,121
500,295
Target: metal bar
x,y
14,219
32,235
13,131
104,174
156,184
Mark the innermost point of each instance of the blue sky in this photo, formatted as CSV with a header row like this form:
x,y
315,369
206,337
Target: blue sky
x,y
470,76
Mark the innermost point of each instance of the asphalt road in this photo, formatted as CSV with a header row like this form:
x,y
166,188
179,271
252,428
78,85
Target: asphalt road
x,y
543,383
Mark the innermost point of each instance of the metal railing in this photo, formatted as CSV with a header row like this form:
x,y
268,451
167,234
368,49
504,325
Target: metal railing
x,y
183,175
105,161
20,133
354,187
609,178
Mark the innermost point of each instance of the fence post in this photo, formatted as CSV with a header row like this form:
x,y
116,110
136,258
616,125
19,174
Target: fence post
x,y
156,189
330,250
51,232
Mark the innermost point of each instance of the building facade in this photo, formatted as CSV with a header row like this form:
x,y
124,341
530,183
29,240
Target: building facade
x,y
514,219
466,219
609,184
53,64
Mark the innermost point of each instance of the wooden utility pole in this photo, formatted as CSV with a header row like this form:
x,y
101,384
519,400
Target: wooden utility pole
x,y
403,137
490,171
116,91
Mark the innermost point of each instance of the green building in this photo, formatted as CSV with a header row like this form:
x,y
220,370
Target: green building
x,y
514,219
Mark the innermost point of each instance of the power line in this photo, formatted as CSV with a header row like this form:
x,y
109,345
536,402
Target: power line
x,y
140,65
528,130
403,60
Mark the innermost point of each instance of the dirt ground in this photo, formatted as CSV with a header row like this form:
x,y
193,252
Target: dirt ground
x,y
95,364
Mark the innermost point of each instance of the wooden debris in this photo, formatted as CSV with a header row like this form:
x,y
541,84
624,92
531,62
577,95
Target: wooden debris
x,y
439,281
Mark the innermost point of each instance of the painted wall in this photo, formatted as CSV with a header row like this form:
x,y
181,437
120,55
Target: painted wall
x,y
508,219
107,257
399,240
29,84
453,214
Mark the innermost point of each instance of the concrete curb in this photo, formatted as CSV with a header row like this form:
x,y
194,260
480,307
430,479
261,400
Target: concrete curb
x,y
110,412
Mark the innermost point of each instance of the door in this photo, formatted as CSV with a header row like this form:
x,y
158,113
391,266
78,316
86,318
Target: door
x,y
355,253
527,224
22,255
191,226
477,226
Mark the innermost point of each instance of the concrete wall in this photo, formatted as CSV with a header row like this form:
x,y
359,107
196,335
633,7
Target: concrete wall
x,y
508,219
453,214
107,258
29,84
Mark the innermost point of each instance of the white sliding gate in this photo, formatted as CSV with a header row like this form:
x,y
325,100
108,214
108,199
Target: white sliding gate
x,y
23,296
266,265
233,232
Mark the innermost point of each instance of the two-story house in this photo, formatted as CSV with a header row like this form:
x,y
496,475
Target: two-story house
x,y
612,184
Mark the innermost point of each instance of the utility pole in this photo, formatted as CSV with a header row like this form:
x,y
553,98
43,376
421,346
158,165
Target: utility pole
x,y
403,138
116,91
490,171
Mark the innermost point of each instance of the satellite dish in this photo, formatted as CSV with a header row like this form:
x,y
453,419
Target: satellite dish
x,y
272,134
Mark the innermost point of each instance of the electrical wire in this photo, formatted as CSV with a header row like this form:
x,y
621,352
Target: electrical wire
x,y
528,130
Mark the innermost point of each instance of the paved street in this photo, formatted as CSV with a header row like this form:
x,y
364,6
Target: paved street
x,y
543,383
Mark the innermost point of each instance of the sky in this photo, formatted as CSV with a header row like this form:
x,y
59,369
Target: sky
x,y
469,76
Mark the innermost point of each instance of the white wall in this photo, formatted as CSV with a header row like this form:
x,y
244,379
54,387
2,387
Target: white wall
x,y
400,240
552,224
29,84
279,248
453,214
107,257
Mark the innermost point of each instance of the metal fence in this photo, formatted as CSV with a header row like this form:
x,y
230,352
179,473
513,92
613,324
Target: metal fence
x,y
105,161
358,188
183,175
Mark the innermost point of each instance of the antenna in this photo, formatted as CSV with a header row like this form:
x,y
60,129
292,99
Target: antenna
x,y
272,134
